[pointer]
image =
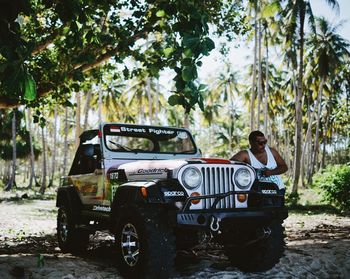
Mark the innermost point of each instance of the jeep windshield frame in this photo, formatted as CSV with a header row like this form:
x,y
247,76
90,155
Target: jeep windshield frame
x,y
134,139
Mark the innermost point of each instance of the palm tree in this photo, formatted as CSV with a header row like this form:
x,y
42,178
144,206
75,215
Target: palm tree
x,y
32,158
330,51
12,182
54,149
144,95
65,142
87,109
44,166
78,117
271,32
296,12
254,5
221,101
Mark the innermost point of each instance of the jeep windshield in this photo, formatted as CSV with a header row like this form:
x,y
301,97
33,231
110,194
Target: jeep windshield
x,y
147,139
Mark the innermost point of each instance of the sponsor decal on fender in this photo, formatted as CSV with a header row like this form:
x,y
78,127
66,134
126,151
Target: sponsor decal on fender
x,y
150,171
101,208
269,192
174,194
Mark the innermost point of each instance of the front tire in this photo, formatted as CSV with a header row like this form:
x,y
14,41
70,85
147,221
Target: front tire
x,y
145,244
70,238
261,255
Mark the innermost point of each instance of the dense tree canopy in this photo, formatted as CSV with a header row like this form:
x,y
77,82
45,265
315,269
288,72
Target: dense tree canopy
x,y
52,46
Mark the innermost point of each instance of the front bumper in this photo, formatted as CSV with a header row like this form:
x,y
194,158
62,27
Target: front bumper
x,y
246,216
256,214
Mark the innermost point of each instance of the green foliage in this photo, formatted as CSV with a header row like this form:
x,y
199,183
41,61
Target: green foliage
x,y
334,182
29,88
54,48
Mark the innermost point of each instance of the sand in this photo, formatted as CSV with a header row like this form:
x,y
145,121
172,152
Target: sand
x,y
318,246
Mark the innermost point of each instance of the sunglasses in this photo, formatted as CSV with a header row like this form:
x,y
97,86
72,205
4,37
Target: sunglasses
x,y
262,142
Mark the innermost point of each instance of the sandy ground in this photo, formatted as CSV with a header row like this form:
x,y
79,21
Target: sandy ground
x,y
318,246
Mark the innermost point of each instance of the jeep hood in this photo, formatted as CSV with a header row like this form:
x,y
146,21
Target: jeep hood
x,y
159,169
155,169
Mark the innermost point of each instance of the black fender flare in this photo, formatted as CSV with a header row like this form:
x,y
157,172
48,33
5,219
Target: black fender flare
x,y
69,197
128,194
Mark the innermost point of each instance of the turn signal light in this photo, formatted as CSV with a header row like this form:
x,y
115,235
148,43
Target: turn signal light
x,y
195,194
242,197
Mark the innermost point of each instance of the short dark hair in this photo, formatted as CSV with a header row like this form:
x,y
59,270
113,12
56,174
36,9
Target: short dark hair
x,y
253,135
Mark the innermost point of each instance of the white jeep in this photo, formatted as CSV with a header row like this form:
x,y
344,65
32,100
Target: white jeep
x,y
151,187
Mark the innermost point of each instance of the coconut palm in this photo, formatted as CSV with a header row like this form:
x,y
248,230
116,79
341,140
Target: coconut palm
x,y
32,158
296,12
329,52
12,182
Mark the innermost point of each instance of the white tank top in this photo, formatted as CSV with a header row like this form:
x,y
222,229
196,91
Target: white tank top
x,y
270,164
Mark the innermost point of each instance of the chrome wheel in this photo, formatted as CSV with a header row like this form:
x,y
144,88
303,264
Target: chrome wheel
x,y
130,244
63,226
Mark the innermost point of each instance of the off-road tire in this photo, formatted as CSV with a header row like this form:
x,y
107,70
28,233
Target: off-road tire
x,y
145,234
261,255
186,239
70,239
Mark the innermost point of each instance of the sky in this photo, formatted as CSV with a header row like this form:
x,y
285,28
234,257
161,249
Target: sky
x,y
242,55
320,8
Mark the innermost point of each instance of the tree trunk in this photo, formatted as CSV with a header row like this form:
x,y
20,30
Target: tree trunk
x,y
316,142
156,106
230,105
149,95
12,181
65,145
54,153
323,157
305,160
298,110
325,133
187,120
266,100
305,157
32,156
141,109
252,101
99,106
259,76
8,170
87,109
77,121
43,180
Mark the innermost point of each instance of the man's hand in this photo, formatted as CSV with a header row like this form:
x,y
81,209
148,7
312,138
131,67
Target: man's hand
x,y
266,173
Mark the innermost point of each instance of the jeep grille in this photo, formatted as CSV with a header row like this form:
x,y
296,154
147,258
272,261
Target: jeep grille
x,y
217,180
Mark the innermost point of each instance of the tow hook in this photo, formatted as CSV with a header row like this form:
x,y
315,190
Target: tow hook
x,y
215,224
266,232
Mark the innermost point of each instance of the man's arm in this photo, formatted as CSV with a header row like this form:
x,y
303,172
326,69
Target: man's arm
x,y
281,164
241,156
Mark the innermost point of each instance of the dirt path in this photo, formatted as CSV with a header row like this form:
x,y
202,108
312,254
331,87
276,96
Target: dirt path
x,y
318,246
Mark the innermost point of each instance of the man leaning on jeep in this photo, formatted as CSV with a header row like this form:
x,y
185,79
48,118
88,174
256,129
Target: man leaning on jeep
x,y
266,160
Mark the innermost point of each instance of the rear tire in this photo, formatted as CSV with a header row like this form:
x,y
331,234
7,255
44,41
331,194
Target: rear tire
x,y
70,238
145,244
261,255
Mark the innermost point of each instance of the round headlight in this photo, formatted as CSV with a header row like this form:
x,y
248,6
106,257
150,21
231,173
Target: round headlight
x,y
191,178
242,178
